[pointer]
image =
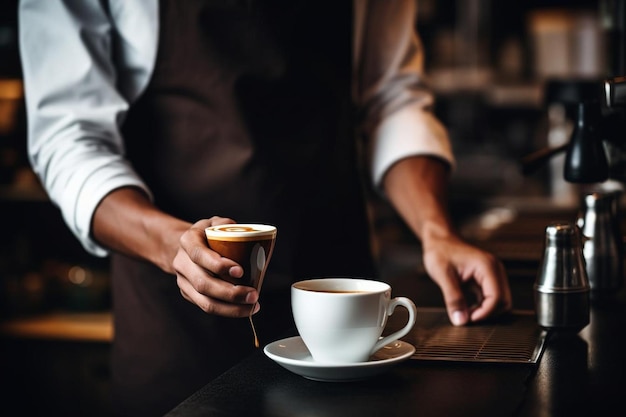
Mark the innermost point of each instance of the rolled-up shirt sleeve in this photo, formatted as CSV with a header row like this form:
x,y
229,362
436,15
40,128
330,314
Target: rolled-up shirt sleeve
x,y
393,102
74,109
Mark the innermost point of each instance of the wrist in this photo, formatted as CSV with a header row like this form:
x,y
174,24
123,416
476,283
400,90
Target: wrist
x,y
434,232
163,233
127,222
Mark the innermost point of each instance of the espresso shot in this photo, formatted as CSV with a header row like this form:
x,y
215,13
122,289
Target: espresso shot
x,y
250,245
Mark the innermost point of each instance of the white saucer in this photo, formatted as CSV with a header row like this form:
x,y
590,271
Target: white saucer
x,y
293,355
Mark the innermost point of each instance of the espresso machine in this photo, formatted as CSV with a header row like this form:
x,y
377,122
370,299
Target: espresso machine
x,y
595,155
585,162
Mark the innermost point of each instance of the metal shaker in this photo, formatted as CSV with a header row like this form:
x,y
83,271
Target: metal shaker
x,y
602,241
562,287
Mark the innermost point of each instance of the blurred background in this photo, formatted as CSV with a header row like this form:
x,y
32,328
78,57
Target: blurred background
x,y
491,64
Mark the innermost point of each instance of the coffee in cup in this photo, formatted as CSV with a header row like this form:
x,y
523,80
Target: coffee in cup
x,y
251,246
341,320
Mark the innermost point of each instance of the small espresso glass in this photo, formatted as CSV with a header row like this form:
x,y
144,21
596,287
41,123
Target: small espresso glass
x,y
251,246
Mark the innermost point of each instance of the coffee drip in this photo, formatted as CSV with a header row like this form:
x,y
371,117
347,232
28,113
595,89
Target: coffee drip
x,y
256,338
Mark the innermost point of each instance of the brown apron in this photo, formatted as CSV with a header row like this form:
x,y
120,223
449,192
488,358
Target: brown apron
x,y
248,116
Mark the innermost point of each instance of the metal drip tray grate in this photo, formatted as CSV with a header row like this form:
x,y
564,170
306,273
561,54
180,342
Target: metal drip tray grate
x,y
514,338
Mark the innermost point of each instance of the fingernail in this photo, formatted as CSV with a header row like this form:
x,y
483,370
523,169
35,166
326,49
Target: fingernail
x,y
235,271
251,297
459,318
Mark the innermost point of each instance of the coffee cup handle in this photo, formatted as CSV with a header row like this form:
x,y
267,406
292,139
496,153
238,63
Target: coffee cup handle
x,y
410,306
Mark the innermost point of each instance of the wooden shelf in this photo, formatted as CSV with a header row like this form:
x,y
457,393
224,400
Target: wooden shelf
x,y
84,327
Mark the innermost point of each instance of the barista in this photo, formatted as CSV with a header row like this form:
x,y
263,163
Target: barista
x,y
151,120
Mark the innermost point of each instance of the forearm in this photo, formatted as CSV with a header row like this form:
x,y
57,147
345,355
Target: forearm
x,y
417,188
74,142
127,222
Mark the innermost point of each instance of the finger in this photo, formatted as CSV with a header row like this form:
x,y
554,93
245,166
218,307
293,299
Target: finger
x,y
215,306
209,284
496,294
455,302
472,293
235,271
194,243
213,221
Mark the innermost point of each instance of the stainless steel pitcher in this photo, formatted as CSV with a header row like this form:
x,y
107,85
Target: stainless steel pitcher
x,y
562,286
602,241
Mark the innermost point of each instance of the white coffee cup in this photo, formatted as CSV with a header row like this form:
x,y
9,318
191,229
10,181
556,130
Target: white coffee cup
x,y
341,320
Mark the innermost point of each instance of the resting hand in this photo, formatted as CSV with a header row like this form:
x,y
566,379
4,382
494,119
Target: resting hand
x,y
458,267
201,273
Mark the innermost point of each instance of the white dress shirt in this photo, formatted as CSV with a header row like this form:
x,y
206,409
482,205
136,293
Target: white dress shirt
x,y
86,61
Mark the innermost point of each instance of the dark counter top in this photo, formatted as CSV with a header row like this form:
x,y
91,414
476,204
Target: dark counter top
x,y
580,374
259,387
